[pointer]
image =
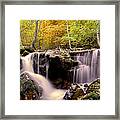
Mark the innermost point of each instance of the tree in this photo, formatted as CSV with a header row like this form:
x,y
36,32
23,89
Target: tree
x,y
35,35
27,28
49,34
84,33
98,37
52,31
68,34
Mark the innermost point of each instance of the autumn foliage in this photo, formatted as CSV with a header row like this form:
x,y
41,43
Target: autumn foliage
x,y
49,34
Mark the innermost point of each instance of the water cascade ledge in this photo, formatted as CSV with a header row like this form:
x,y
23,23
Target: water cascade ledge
x,y
36,65
89,66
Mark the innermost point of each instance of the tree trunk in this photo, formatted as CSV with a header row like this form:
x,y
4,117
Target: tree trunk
x,y
35,35
43,42
78,34
68,35
39,31
98,38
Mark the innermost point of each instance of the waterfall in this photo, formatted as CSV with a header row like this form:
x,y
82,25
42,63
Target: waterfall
x,y
36,62
49,92
47,67
36,65
81,74
74,75
88,68
27,63
94,65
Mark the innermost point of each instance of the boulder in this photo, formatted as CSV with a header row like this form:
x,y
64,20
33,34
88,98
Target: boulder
x,y
94,87
26,50
74,92
29,89
77,94
91,96
25,53
60,64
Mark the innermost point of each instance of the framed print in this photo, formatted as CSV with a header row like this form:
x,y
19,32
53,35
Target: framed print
x,y
60,59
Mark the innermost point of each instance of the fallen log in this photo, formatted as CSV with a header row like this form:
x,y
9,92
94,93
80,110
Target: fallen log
x,y
78,51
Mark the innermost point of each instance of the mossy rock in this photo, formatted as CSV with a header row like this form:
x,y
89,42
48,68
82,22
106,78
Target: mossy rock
x,y
29,89
94,87
78,93
22,51
26,50
21,65
29,49
91,96
25,53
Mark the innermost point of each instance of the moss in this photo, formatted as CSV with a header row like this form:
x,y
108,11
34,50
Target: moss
x,y
26,50
78,93
91,96
94,87
25,53
29,89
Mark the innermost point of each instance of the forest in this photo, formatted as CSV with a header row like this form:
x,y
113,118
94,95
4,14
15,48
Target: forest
x,y
59,59
49,34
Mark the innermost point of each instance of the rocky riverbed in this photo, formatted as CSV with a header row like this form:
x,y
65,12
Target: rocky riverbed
x,y
31,90
85,91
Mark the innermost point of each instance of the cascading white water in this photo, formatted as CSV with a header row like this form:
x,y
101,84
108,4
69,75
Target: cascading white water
x,y
47,67
49,92
88,69
82,74
94,65
38,63
27,63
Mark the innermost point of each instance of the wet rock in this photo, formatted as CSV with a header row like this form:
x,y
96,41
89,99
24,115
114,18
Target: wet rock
x,y
22,50
29,89
77,94
39,63
60,64
91,96
84,91
56,69
74,92
58,83
25,53
68,95
29,49
93,91
26,50
57,52
86,85
21,65
94,87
